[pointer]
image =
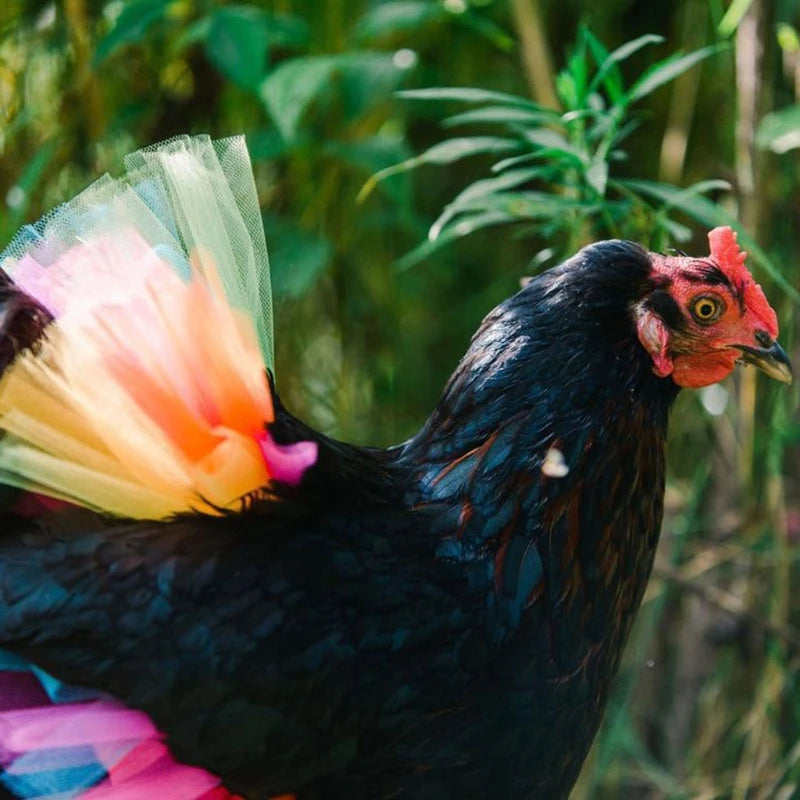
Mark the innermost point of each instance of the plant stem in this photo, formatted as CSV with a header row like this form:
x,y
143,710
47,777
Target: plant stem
x,y
536,58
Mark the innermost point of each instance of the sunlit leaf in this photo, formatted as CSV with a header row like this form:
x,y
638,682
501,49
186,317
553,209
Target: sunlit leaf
x,y
362,79
733,16
572,82
366,79
466,94
553,143
530,205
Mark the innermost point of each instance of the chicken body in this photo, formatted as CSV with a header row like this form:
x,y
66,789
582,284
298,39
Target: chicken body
x,y
441,619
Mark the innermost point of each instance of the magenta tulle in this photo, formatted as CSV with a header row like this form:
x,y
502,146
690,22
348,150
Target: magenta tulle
x,y
287,462
148,772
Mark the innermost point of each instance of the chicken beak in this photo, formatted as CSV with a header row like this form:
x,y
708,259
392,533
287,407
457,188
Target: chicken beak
x,y
771,360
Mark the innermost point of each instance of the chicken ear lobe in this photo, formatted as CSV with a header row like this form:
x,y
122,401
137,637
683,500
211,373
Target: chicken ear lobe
x,y
654,336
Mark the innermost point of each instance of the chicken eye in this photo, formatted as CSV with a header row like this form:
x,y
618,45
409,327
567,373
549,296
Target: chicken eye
x,y
706,308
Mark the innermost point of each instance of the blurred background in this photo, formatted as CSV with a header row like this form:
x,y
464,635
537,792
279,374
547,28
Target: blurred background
x,y
414,160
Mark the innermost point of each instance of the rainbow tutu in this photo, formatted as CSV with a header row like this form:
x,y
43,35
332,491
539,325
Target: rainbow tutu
x,y
147,396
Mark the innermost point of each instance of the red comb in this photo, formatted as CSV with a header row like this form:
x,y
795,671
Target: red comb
x,y
730,259
725,251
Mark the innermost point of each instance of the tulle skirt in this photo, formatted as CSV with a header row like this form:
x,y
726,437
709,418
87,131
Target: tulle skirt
x,y
147,396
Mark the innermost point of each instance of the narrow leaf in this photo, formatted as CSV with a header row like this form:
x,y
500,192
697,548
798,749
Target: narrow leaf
x,y
502,114
481,188
619,55
667,70
445,152
466,94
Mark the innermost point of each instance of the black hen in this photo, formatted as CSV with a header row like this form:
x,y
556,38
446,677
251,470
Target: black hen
x,y
439,620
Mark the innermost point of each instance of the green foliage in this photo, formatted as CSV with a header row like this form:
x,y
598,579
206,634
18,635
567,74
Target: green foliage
x,y
568,192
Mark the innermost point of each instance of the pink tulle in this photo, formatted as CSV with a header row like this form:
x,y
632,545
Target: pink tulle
x,y
71,725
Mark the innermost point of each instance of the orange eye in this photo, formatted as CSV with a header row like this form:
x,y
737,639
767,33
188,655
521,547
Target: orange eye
x,y
706,308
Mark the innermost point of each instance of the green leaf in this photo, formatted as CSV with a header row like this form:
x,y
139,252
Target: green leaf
x,y
287,31
780,130
676,231
733,16
573,90
236,43
481,188
445,152
490,30
367,78
297,257
389,18
553,143
667,70
510,163
531,205
290,88
130,26
362,78
608,74
264,145
466,94
502,115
